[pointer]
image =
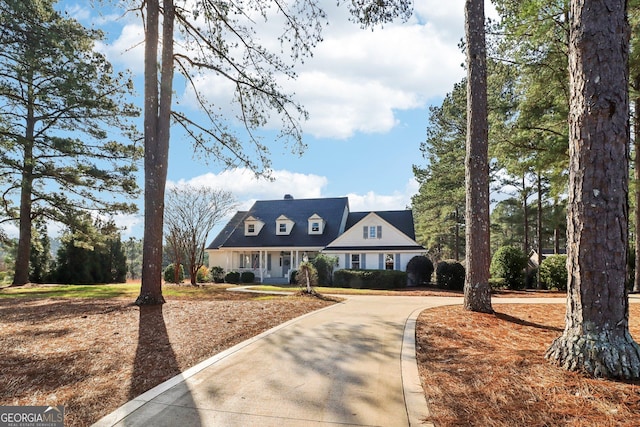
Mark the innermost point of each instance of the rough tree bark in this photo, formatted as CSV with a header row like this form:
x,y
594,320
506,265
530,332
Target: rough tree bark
x,y
539,221
477,293
21,276
596,337
636,176
157,119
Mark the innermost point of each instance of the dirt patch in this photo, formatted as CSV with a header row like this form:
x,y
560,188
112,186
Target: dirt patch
x,y
91,356
486,370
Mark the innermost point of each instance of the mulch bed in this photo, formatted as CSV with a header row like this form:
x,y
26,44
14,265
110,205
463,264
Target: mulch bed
x,y
489,370
91,355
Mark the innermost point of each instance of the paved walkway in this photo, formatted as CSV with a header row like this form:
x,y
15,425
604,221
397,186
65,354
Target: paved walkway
x,y
350,364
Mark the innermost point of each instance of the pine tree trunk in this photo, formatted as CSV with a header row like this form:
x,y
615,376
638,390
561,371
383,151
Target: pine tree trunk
x,y
636,175
23,254
525,209
539,220
596,338
477,293
157,121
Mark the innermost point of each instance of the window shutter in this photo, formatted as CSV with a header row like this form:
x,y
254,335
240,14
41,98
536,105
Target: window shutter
x,y
379,232
397,263
363,261
347,261
269,262
380,261
365,232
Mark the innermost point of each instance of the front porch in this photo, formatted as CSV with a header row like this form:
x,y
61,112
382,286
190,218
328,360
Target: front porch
x,y
269,266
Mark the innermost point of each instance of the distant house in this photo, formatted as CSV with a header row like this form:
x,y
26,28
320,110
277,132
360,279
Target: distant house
x,y
274,236
535,259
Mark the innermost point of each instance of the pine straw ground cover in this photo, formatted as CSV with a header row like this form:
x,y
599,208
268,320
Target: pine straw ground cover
x,y
89,355
489,370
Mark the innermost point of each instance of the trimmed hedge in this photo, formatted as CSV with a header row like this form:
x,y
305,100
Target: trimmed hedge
x,y
419,270
247,277
236,277
370,279
232,277
450,275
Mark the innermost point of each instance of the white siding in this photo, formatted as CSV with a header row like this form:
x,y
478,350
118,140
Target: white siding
x,y
390,235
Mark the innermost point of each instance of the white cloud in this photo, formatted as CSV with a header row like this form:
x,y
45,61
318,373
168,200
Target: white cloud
x,y
128,223
247,189
371,201
357,79
243,184
127,50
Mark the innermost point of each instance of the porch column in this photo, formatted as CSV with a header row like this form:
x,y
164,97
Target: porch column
x,y
260,266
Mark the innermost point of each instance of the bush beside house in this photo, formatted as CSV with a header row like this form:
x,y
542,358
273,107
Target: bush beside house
x,y
553,272
419,271
370,279
450,275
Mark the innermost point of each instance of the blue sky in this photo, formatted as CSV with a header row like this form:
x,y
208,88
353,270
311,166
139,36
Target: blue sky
x,y
367,93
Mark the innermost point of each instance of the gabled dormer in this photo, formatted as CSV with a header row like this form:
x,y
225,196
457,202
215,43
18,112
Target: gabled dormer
x,y
252,226
283,226
316,224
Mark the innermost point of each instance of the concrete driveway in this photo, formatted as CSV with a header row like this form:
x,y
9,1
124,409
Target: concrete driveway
x,y
351,364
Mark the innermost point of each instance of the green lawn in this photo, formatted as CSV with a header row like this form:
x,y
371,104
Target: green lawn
x,y
72,291
119,290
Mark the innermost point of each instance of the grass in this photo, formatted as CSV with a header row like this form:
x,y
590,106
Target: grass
x,y
119,290
124,290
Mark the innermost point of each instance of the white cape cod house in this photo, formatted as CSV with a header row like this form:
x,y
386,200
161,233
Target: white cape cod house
x,y
274,236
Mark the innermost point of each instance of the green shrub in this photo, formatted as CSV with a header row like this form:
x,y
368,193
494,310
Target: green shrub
x,y
419,270
509,263
324,265
450,275
247,277
553,272
292,277
170,276
370,279
202,275
497,283
232,277
216,274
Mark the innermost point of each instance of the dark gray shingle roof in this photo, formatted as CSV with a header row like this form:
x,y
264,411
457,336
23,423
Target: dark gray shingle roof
x,y
331,210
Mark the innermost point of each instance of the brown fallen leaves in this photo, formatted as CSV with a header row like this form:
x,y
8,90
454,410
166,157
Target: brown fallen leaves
x,y
90,355
486,370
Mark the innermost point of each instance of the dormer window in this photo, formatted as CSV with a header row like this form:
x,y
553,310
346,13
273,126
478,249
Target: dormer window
x,y
252,226
283,226
316,224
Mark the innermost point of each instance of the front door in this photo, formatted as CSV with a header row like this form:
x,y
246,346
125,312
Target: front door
x,y
286,265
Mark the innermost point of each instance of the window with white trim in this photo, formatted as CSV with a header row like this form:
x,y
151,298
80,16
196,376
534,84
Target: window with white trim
x,y
389,262
355,261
